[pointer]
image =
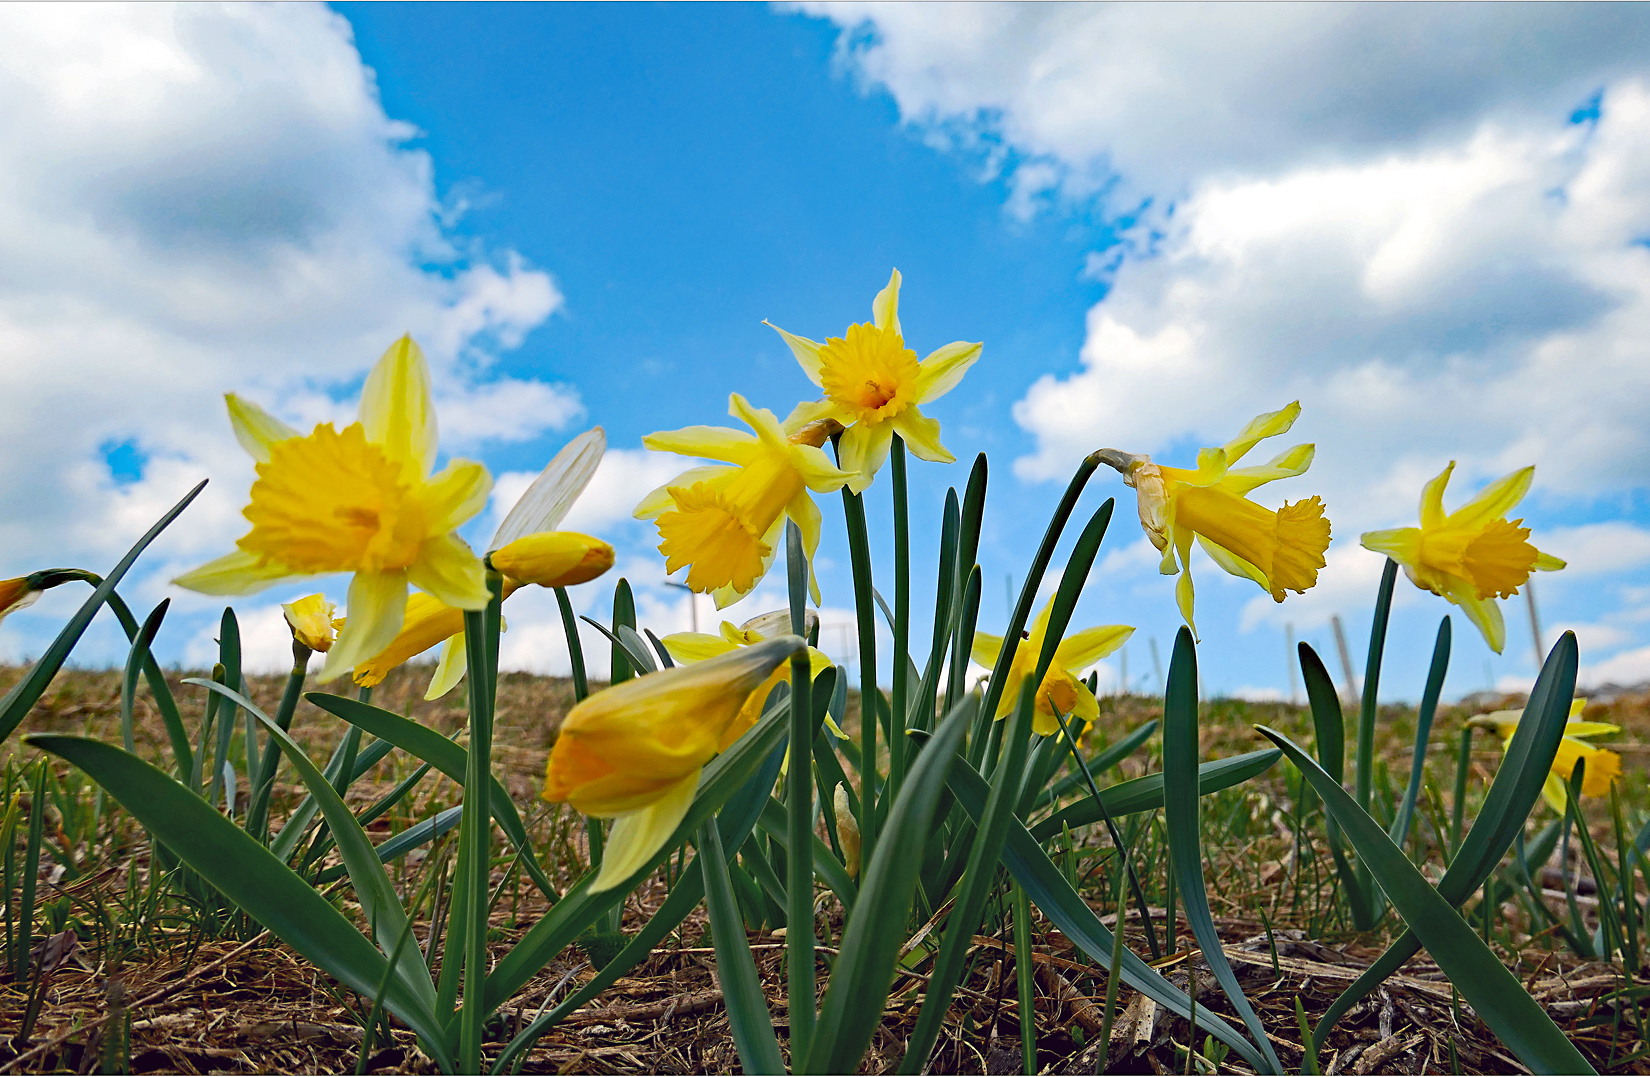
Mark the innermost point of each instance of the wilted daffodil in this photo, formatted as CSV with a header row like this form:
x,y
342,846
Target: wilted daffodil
x,y
1471,556
1061,694
362,500
1603,765
525,549
725,521
633,752
690,647
312,622
1281,550
873,384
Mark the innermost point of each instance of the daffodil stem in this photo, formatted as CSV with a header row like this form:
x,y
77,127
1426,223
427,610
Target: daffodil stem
x,y
902,622
481,629
257,815
799,863
859,551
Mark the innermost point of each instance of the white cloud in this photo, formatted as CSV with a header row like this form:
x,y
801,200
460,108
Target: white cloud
x,y
1627,668
197,199
1597,549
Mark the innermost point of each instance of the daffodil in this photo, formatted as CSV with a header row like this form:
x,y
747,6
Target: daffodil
x,y
725,520
1471,556
633,752
363,500
1061,694
873,385
525,549
1603,765
1281,550
16,594
690,647
312,622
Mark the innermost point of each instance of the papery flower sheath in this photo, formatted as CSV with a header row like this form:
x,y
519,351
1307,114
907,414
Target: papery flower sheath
x,y
1603,765
690,647
633,752
1281,550
525,549
16,594
312,622
1061,694
363,500
873,385
1471,556
725,521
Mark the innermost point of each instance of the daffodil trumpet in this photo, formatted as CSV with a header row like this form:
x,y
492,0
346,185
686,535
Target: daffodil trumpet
x,y
366,500
1280,550
723,522
1602,767
1060,694
1471,556
873,385
633,752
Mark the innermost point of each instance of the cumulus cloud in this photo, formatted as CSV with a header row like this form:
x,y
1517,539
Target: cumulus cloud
x,y
200,198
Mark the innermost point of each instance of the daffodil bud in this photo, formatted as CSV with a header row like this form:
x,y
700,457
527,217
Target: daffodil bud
x,y
634,751
553,558
847,831
312,622
15,594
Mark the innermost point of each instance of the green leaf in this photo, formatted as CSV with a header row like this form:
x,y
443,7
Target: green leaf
x,y
1423,730
248,874
1146,793
1100,763
871,941
826,866
26,692
1500,1000
626,642
747,1006
445,756
135,661
1180,813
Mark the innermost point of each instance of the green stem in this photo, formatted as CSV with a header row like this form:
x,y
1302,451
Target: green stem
x,y
474,851
257,815
1364,916
1458,808
902,621
799,782
859,549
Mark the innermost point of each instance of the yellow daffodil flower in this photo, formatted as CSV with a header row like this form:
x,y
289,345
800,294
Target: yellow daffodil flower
x,y
726,520
1603,765
1471,556
873,384
362,500
1282,550
16,594
312,622
1061,694
525,549
633,752
690,647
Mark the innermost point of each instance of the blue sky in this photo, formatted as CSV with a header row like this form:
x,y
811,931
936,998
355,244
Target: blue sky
x,y
585,212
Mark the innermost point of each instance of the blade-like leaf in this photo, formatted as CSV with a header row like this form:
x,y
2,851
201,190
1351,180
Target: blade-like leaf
x,y
826,866
871,941
748,1017
1500,1000
1146,793
1100,763
134,661
1423,730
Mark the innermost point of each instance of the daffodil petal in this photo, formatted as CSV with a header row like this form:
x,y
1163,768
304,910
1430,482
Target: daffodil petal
x,y
710,442
659,500
817,471
1432,498
237,573
944,368
863,449
1084,648
377,606
454,495
761,420
805,350
396,409
637,835
986,648
255,428
1270,424
885,307
812,411
1553,792
1485,615
1589,729
1184,593
547,500
922,435
450,571
1494,501
450,669
1546,562
1286,465
687,647
1402,544
1232,563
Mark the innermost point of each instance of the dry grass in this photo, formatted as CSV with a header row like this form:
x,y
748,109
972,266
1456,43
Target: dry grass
x,y
206,994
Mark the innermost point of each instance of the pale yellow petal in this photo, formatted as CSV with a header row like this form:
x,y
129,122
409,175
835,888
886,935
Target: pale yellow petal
x,y
450,669
922,436
805,350
1084,648
1184,593
986,648
1402,544
454,495
885,307
944,368
812,411
1232,563
255,428
816,469
1553,791
396,409
1494,501
638,835
658,500
687,647
761,420
237,573
450,571
1485,615
1286,465
1589,729
1432,498
1268,425
1546,562
863,450
546,502
377,606
710,442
